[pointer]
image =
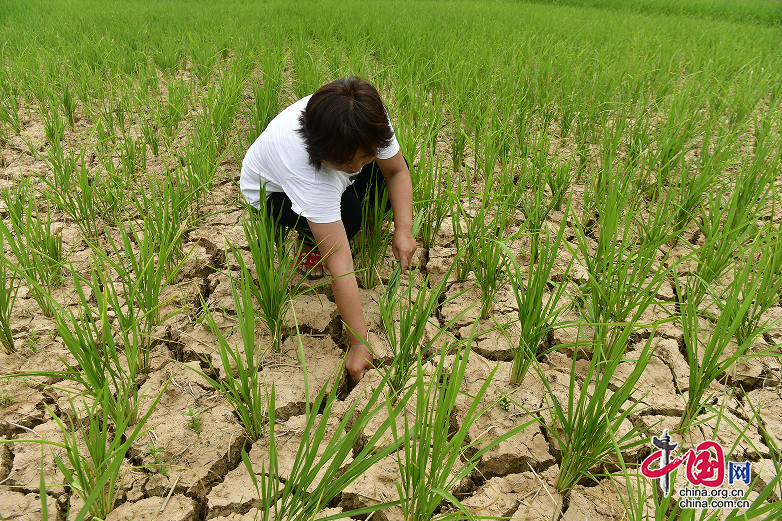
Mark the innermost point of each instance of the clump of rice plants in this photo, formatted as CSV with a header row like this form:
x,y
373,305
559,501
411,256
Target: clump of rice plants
x,y
536,317
431,464
243,387
9,286
91,455
371,242
593,408
711,358
624,273
94,344
316,479
143,275
38,252
412,307
273,249
432,196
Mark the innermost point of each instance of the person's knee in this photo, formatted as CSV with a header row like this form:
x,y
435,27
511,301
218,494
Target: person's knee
x,y
351,213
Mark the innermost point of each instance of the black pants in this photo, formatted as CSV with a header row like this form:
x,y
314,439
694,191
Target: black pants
x,y
369,186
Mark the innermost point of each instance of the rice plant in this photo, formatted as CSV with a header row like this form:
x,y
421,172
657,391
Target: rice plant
x,y
168,216
765,281
593,408
145,264
536,317
315,480
412,307
369,245
91,340
623,279
725,227
710,359
432,196
265,100
245,391
558,178
273,251
16,200
38,252
202,156
9,286
93,454
74,191
432,464
536,208
489,260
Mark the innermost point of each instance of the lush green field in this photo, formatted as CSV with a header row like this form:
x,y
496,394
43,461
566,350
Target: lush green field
x,y
597,202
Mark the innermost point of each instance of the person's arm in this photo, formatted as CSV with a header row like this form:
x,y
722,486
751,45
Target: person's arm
x,y
400,192
333,244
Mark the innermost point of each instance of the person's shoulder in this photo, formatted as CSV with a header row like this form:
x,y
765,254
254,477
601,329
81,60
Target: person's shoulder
x,y
288,119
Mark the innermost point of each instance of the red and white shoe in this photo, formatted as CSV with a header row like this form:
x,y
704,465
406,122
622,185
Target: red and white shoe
x,y
306,261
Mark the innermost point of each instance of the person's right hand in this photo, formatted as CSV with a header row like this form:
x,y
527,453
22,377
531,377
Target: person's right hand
x,y
358,361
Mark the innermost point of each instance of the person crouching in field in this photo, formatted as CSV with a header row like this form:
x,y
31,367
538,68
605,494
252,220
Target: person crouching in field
x,y
319,159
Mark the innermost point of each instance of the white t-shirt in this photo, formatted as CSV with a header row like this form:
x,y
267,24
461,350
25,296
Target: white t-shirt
x,y
279,159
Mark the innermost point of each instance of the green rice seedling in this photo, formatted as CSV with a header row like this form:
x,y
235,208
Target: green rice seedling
x,y
461,239
168,56
558,178
171,113
431,464
9,114
133,158
43,244
273,250
53,125
688,192
478,217
536,318
93,454
432,196
202,58
202,157
725,227
536,208
143,274
369,245
133,329
766,278
146,103
676,132
265,102
69,106
74,190
167,216
16,199
309,77
38,253
243,387
597,407
319,473
489,260
413,308
710,359
418,122
623,280
9,286
222,102
89,337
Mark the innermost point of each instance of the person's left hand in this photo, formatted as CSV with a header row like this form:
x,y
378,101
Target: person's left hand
x,y
403,245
